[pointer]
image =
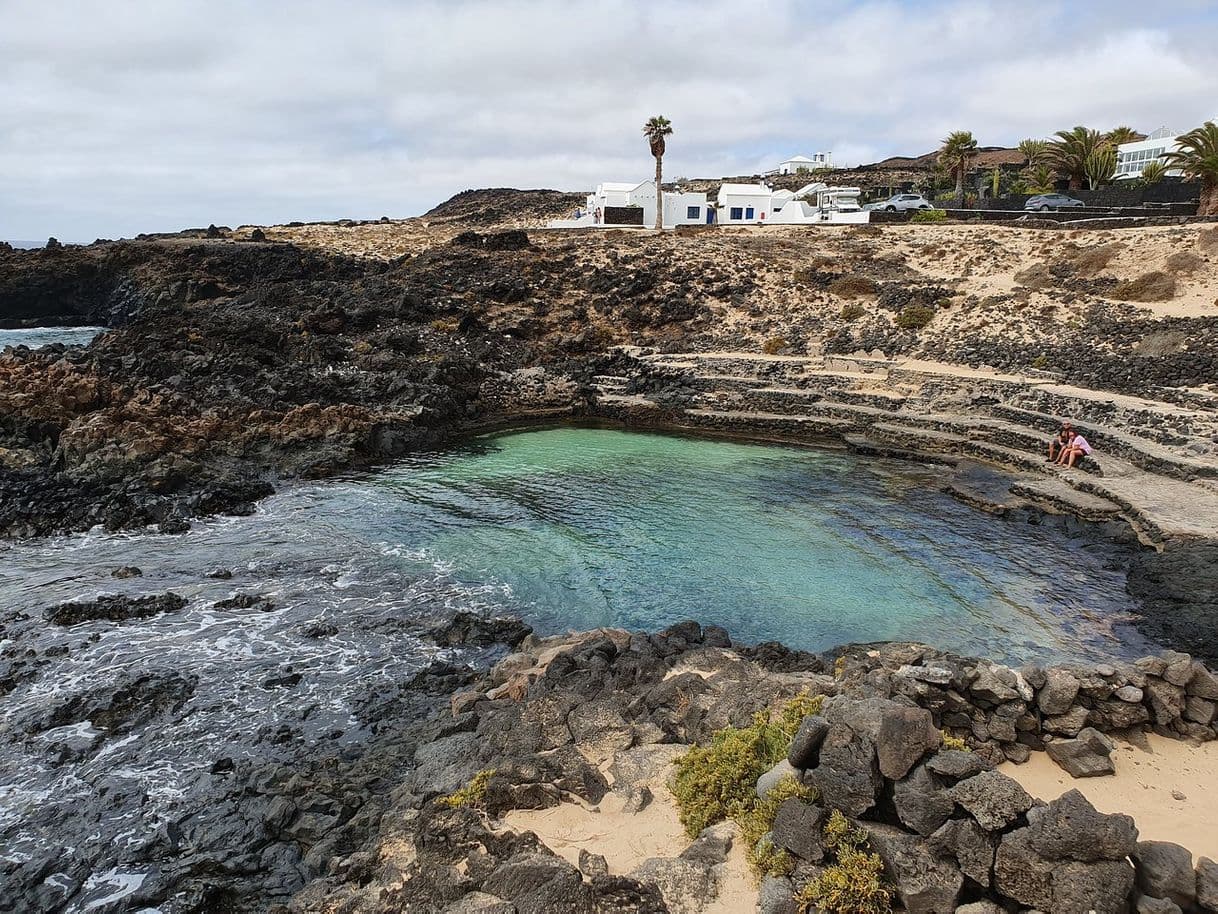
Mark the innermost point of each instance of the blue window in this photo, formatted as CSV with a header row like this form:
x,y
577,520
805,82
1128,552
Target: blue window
x,y
748,213
737,213
693,212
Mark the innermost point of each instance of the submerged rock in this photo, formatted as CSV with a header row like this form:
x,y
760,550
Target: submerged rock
x,y
115,608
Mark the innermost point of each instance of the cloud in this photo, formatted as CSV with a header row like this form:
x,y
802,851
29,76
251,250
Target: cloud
x,y
142,115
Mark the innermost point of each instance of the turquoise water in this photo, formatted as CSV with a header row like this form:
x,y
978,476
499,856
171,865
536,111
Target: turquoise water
x,y
35,337
586,527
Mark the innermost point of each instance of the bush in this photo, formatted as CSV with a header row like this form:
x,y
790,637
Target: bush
x,y
854,883
954,742
1156,286
762,855
1185,262
852,311
1041,362
929,216
472,794
774,345
1089,261
915,317
853,286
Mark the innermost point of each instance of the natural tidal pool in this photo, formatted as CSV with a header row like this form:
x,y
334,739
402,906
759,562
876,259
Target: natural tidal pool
x,y
114,735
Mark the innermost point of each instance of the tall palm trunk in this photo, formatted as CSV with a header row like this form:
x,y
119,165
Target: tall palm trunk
x,y
960,185
659,193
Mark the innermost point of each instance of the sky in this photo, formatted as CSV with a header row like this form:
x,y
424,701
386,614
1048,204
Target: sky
x,y
131,116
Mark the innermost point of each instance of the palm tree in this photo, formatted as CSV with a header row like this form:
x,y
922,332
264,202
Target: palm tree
x,y
1100,165
1154,171
1038,178
1118,135
1034,150
655,130
1068,153
958,152
1196,154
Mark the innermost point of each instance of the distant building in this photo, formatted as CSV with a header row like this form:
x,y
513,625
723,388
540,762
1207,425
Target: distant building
x,y
619,203
1133,157
743,204
796,164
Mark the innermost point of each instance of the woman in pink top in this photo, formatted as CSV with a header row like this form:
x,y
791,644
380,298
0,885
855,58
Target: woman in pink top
x,y
1076,450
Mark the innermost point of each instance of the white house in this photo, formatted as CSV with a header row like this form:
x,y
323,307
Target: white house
x,y
679,208
743,204
1133,157
817,203
796,164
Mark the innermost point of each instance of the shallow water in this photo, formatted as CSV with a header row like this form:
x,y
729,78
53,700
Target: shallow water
x,y
569,528
34,337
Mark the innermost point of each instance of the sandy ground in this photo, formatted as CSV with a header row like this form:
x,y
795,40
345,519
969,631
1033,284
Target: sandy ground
x,y
1166,785
627,839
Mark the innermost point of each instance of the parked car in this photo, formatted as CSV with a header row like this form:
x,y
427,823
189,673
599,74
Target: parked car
x,y
1043,202
900,202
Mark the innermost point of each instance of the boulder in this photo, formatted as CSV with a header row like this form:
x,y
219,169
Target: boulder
x,y
1087,756
1058,693
993,799
905,735
1199,710
922,801
776,895
115,608
1165,870
685,885
592,864
1179,668
1059,887
797,829
980,907
925,884
775,775
1166,701
1202,683
955,764
1147,905
480,903
1067,724
1129,693
1070,828
969,845
848,776
531,880
995,684
804,751
712,845
1207,884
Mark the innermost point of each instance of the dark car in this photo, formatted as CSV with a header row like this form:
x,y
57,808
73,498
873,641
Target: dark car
x,y
1043,202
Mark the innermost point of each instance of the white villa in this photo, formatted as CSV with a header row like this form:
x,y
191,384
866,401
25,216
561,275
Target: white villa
x,y
1133,157
796,164
680,208
743,204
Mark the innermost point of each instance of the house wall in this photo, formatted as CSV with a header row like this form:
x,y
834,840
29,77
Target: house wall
x,y
1133,157
676,209
759,202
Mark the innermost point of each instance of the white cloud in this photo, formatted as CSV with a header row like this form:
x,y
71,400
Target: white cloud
x,y
141,115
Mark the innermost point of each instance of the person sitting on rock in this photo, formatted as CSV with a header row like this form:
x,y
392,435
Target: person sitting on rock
x,y
1076,450
1059,442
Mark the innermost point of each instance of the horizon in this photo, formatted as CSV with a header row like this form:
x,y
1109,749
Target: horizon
x,y
152,118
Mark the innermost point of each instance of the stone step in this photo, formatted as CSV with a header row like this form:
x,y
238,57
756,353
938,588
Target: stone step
x,y
1059,496
746,422
870,447
929,439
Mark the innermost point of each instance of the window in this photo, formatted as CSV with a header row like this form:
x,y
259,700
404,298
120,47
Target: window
x,y
693,212
736,213
748,213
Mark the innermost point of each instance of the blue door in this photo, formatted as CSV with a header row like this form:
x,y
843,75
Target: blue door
x,y
710,215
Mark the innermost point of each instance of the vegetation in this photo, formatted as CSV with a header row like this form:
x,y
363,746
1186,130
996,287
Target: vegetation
x,y
854,883
774,345
656,129
957,155
472,794
1069,152
929,216
1154,286
956,742
1037,178
852,311
1100,165
1118,135
915,317
1197,156
717,782
1034,151
853,286
1154,172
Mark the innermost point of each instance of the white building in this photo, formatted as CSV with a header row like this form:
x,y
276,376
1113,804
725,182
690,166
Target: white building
x,y
1133,157
743,204
817,203
679,208
796,164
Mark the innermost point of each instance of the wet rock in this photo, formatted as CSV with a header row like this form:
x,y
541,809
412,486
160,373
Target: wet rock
x,y
993,799
115,609
220,574
471,629
1087,756
132,700
804,751
1165,870
127,571
260,602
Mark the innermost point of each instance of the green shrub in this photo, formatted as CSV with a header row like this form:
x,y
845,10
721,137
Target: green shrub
x,y
853,883
852,311
954,742
853,286
795,710
929,216
774,345
915,317
763,856
1041,362
472,794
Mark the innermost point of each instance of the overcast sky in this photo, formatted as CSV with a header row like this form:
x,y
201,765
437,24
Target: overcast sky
x,y
145,115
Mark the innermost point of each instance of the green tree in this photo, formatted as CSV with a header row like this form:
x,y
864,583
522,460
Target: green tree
x,y
1069,151
957,155
1196,154
1118,135
656,129
1100,165
1154,171
1038,179
1034,150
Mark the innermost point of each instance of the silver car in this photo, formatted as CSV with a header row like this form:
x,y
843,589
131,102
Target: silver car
x,y
900,202
1044,202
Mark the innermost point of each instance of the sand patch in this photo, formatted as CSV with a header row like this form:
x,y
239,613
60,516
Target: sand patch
x,y
1148,785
